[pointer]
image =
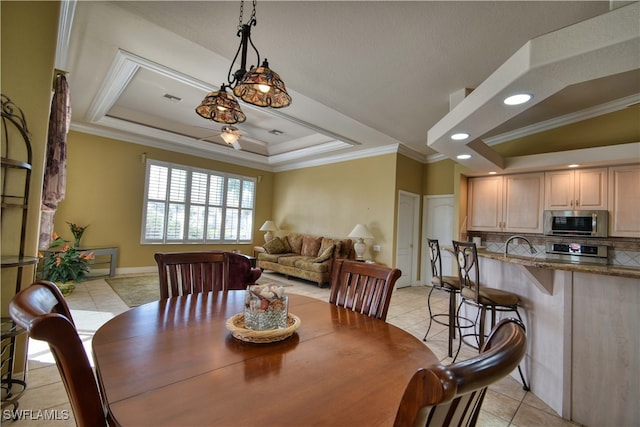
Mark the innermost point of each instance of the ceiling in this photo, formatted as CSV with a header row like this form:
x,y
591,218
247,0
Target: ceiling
x,y
366,78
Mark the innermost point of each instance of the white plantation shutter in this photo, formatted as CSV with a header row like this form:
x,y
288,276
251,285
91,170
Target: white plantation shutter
x,y
189,205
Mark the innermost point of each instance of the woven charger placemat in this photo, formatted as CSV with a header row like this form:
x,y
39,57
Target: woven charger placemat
x,y
235,325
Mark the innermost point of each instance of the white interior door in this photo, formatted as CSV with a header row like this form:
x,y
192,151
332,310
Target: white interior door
x,y
438,211
408,240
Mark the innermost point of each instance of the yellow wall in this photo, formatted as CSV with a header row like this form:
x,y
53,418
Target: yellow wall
x,y
330,200
105,188
409,175
29,31
619,127
439,177
105,185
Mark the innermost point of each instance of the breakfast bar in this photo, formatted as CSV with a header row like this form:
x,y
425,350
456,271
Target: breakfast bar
x,y
584,348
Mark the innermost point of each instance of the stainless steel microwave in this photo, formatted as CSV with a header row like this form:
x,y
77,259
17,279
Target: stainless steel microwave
x,y
576,223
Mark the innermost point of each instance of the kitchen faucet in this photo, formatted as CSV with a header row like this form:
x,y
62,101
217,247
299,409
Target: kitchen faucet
x,y
506,245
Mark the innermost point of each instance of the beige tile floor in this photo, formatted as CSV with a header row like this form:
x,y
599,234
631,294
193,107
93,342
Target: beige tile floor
x,y
94,302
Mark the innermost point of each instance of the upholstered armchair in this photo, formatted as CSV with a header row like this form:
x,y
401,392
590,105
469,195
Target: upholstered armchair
x,y
241,273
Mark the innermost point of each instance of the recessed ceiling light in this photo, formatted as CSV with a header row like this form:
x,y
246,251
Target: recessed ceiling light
x,y
493,173
460,136
463,156
517,99
573,166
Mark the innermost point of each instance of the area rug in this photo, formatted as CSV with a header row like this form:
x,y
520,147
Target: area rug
x,y
141,289
136,290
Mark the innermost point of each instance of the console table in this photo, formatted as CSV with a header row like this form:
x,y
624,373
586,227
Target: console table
x,y
104,257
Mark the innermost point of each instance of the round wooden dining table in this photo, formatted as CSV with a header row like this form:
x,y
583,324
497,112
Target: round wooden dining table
x,y
173,363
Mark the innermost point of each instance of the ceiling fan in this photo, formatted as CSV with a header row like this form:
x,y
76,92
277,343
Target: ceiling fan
x,y
232,136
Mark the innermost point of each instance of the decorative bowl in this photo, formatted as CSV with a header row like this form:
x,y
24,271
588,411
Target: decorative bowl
x,y
235,325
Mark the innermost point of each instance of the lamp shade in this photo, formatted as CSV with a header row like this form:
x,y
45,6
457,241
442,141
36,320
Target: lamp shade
x,y
263,87
222,107
268,226
361,231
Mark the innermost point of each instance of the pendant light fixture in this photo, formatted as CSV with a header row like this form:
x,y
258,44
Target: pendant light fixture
x,y
259,86
263,87
221,106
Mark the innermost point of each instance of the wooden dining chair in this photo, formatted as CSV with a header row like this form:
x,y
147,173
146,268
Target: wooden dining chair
x,y
182,273
42,311
452,395
362,287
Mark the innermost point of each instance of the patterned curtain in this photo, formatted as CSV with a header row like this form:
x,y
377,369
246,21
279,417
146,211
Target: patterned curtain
x,y
55,173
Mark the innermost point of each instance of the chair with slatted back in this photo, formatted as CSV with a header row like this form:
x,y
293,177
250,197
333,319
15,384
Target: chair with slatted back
x,y
42,311
452,395
448,284
363,287
182,273
481,298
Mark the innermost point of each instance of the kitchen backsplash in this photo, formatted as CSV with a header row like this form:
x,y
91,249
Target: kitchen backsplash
x,y
622,252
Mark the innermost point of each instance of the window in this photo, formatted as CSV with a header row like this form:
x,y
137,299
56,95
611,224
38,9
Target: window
x,y
189,205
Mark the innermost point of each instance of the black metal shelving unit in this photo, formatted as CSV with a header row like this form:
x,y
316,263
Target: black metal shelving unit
x,y
16,176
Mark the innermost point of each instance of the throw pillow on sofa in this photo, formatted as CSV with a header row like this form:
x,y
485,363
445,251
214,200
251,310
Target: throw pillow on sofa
x,y
295,241
310,245
325,255
287,246
274,246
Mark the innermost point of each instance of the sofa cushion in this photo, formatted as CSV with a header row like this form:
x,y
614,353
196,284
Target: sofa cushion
x,y
326,242
295,241
310,245
290,261
275,246
325,254
263,256
287,246
307,264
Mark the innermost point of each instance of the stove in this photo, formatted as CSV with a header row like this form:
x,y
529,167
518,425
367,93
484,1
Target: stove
x,y
578,253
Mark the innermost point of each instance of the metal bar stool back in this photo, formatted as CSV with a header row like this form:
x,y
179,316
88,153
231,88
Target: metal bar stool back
x,y
449,284
483,298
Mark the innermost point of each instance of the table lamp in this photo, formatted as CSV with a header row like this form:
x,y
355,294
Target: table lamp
x,y
360,232
269,227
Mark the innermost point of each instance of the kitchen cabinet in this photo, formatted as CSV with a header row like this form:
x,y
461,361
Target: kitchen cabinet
x,y
510,203
582,189
624,201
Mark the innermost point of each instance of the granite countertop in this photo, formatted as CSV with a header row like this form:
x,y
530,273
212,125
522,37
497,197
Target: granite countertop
x,y
554,264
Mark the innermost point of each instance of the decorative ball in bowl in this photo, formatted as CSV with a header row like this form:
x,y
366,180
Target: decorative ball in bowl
x,y
265,307
265,318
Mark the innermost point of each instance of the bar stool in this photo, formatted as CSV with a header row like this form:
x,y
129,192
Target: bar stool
x,y
448,284
481,297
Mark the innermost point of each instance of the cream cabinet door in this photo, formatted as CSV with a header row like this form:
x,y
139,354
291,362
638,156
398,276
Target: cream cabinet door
x,y
510,203
624,201
590,189
523,203
582,189
484,212
558,190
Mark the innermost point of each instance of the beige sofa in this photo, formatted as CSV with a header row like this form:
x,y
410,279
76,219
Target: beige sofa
x,y
303,255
